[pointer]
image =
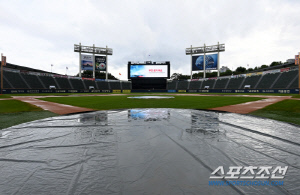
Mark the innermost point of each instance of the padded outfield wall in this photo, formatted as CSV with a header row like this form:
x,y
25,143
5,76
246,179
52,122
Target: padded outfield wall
x,y
33,91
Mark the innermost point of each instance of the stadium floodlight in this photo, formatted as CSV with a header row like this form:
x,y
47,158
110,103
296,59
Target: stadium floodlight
x,y
203,50
93,50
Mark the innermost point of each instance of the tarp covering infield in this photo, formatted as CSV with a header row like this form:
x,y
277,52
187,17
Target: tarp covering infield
x,y
145,151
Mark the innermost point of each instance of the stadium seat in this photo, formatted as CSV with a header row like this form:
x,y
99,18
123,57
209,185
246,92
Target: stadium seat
x,y
33,81
102,85
209,82
126,85
221,83
182,85
15,79
172,85
89,83
77,84
195,84
285,79
63,83
234,83
267,80
252,81
115,85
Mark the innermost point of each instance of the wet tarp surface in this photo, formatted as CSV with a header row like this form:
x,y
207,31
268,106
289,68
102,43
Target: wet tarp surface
x,y
144,151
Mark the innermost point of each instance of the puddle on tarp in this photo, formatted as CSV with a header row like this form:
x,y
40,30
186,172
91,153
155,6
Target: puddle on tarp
x,y
144,151
151,97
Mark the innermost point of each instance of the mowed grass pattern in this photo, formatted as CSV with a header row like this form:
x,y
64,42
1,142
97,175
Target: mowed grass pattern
x,y
9,106
13,112
120,102
286,110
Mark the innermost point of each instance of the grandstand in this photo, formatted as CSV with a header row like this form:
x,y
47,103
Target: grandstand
x,y
63,83
280,79
252,81
221,83
235,83
285,79
210,83
267,80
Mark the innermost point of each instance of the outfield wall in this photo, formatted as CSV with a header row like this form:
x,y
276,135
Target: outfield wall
x,y
27,91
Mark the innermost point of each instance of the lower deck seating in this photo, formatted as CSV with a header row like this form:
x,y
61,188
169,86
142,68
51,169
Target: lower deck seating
x,y
77,83
15,79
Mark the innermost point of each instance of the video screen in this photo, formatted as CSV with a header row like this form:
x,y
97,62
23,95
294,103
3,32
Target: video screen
x,y
148,71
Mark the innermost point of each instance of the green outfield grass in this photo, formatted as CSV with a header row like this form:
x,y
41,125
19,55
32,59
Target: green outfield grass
x,y
286,110
119,102
13,112
74,94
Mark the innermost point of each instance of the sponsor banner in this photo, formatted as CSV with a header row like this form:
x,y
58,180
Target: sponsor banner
x,y
148,71
126,91
106,91
100,63
211,62
181,91
195,80
91,79
259,73
250,74
10,70
34,73
116,91
3,61
99,79
274,71
86,62
60,76
297,59
284,91
70,77
212,78
284,69
192,91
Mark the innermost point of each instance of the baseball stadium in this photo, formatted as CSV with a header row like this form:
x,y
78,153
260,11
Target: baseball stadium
x,y
211,131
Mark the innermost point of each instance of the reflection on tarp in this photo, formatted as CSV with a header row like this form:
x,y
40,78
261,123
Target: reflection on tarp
x,y
144,151
149,114
205,122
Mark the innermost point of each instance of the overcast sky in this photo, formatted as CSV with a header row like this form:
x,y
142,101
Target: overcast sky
x,y
40,33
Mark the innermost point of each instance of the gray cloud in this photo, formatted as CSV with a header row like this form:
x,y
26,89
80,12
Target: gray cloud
x,y
40,33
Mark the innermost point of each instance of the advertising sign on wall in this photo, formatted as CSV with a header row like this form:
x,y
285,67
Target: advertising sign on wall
x,y
149,71
100,62
86,62
297,60
211,62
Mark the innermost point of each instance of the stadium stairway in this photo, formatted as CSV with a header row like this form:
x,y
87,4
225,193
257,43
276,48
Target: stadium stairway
x,y
24,81
41,82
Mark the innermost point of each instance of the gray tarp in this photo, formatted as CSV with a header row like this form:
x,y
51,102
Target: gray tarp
x,y
144,151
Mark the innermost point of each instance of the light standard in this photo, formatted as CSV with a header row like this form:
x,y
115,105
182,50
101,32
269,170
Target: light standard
x,y
51,67
66,70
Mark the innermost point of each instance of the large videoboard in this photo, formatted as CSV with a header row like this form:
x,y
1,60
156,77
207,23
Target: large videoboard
x,y
148,70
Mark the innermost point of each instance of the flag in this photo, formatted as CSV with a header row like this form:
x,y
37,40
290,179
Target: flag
x,y
119,73
67,68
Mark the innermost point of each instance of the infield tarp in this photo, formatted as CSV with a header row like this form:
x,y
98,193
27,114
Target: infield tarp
x,y
144,151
